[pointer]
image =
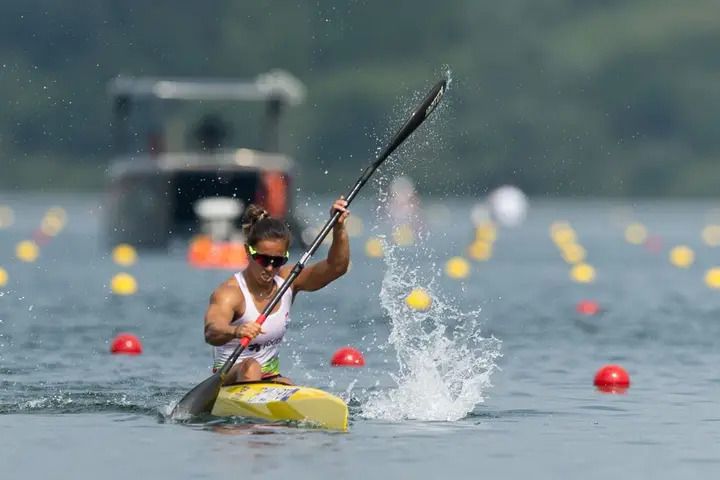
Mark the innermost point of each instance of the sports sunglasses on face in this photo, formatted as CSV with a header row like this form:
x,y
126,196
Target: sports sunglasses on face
x,y
264,260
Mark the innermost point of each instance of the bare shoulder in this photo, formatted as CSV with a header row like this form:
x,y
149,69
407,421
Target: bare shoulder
x,y
228,294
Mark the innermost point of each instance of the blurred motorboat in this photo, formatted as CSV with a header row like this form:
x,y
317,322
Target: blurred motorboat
x,y
178,142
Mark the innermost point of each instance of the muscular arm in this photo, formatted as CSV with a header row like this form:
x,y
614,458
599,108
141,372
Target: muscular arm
x,y
316,276
225,302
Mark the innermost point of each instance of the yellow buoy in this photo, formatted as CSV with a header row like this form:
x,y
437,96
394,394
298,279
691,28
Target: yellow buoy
x,y
374,247
404,235
711,235
27,251
480,250
457,268
59,213
563,235
51,225
572,252
682,256
3,277
7,216
419,300
558,225
582,273
123,284
486,233
124,255
636,233
712,277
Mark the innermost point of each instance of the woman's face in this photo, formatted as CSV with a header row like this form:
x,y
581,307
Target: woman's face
x,y
272,247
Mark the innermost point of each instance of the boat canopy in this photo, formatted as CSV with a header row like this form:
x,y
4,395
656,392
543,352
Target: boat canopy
x,y
143,121
274,85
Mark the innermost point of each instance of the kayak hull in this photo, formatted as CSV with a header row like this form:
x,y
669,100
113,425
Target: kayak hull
x,y
278,402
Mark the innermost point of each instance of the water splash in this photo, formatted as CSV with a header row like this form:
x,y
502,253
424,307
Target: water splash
x,y
445,363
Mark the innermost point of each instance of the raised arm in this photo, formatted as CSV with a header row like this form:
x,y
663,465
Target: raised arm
x,y
317,275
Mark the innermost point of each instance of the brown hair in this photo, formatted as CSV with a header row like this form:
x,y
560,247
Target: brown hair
x,y
257,225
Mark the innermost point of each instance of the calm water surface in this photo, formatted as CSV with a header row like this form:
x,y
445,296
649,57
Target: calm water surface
x,y
69,409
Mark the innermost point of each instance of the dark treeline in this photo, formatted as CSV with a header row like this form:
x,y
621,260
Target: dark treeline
x,y
560,97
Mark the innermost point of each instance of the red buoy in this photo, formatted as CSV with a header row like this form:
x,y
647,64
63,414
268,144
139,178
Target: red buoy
x,y
347,357
126,344
587,307
612,379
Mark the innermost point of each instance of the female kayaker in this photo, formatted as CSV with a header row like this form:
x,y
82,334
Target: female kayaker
x,y
237,302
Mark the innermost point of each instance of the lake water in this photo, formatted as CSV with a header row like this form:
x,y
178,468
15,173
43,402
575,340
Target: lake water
x,y
495,381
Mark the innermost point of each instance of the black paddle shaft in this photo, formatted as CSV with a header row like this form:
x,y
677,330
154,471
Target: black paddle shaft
x,y
202,397
431,101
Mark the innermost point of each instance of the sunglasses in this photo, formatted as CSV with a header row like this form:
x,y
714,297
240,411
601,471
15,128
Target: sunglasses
x,y
268,260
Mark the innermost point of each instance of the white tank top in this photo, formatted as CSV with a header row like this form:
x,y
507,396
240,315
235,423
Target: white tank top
x,y
265,347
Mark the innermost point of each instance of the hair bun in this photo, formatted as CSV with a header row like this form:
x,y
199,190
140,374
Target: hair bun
x,y
257,225
253,214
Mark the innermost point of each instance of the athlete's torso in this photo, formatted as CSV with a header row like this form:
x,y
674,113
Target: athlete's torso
x,y
265,347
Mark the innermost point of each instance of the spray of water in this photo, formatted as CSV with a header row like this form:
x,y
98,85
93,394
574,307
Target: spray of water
x,y
444,362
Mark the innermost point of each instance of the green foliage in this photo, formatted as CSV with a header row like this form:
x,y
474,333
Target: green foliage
x,y
560,97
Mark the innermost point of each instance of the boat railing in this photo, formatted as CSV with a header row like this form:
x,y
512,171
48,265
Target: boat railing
x,y
243,158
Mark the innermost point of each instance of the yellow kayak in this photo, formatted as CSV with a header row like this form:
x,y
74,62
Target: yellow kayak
x,y
277,402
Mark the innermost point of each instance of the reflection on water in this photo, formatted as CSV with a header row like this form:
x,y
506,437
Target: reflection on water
x,y
247,429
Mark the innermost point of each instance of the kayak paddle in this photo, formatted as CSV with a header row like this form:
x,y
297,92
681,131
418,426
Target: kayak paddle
x,y
201,399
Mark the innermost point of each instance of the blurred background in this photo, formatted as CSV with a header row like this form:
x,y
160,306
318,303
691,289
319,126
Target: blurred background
x,y
561,97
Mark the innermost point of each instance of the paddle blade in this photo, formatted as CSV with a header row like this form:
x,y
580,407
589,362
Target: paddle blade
x,y
431,100
199,400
